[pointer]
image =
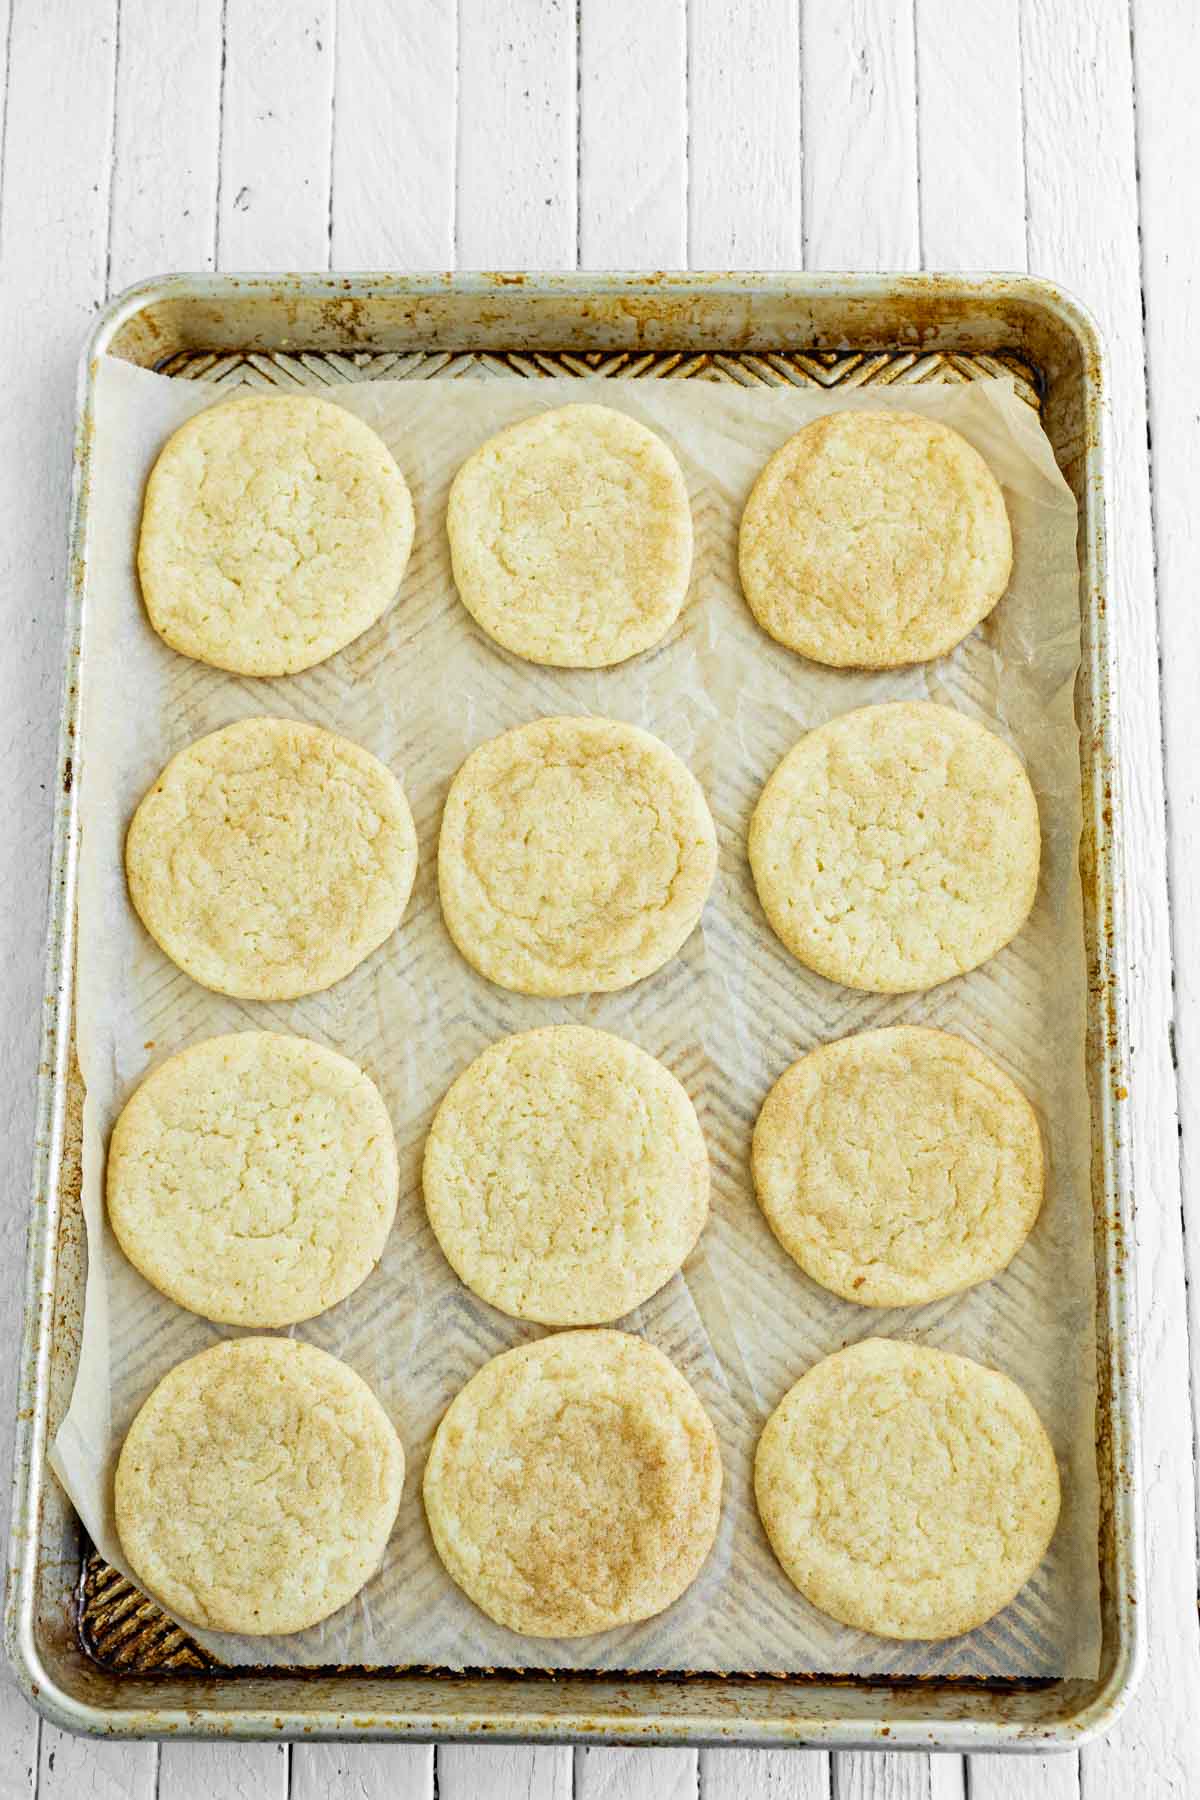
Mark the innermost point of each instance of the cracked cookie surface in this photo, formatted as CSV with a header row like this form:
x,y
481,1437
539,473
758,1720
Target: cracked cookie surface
x,y
906,1491
874,539
271,857
574,1485
575,856
896,846
566,1176
275,529
257,1487
253,1178
571,537
898,1166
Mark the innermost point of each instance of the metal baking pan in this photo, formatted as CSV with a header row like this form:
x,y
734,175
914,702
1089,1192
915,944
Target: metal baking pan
x,y
91,1653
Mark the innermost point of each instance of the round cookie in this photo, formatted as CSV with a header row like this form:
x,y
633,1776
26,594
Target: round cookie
x,y
896,846
275,529
253,1178
898,1166
874,539
270,858
574,1485
257,1487
906,1491
566,1176
575,856
571,537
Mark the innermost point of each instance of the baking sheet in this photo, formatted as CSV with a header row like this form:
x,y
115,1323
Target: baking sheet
x,y
420,689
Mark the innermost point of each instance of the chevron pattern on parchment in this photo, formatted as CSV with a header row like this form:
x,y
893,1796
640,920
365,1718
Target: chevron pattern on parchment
x,y
727,1015
824,369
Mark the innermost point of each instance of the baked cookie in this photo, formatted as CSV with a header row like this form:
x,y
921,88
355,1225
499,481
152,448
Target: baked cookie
x,y
896,846
257,1487
906,1491
253,1178
574,1485
270,858
874,539
566,1177
571,537
275,529
575,856
898,1165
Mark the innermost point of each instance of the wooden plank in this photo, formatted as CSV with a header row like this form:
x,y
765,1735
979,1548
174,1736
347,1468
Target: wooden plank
x,y
895,1775
273,212
1156,1747
502,1772
75,1768
1081,172
516,200
516,185
1022,1777
166,147
362,1772
164,210
276,126
393,137
745,201
18,1743
223,1770
19,1725
862,211
633,135
764,1775
54,192
1166,35
969,116
861,200
637,1775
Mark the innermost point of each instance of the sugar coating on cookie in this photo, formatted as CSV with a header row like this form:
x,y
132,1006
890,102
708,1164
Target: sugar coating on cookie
x,y
874,539
574,1485
571,537
906,1491
270,858
257,1487
253,1178
898,1166
896,846
575,856
275,529
566,1176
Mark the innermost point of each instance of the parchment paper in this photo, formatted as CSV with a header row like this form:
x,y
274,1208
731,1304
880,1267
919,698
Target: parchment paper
x,y
422,688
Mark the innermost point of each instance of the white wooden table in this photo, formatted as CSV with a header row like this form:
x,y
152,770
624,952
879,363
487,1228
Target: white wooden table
x,y
1052,135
